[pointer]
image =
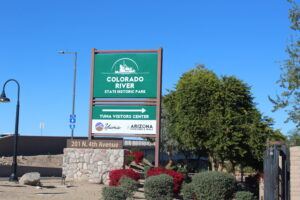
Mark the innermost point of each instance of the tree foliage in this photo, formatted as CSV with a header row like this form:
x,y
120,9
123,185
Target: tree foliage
x,y
190,103
294,138
235,111
289,80
169,144
218,116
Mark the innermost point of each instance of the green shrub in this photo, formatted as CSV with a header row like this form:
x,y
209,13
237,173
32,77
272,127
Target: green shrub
x,y
146,168
213,185
181,168
188,192
150,157
128,159
159,187
244,195
177,177
129,185
114,193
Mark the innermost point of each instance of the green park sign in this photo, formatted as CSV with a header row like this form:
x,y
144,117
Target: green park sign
x,y
125,75
118,119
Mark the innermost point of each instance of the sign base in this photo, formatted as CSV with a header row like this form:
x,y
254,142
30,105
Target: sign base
x,y
93,165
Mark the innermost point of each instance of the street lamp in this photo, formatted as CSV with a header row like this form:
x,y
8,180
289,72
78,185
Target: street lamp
x,y
73,117
4,99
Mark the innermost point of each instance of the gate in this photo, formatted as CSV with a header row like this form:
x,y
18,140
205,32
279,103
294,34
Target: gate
x,y
276,173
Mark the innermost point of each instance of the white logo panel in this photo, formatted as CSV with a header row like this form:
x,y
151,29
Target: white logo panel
x,y
124,126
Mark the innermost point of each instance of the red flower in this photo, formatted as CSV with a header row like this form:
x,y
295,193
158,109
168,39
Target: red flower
x,y
116,175
138,156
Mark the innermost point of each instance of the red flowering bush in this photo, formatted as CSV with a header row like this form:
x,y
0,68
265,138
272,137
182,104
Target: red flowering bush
x,y
177,177
137,156
116,175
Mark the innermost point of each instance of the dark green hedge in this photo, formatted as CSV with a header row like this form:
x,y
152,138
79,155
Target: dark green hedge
x,y
114,193
159,187
129,185
188,192
213,186
244,195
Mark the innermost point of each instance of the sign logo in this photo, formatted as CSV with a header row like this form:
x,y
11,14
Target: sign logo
x,y
125,66
99,126
141,127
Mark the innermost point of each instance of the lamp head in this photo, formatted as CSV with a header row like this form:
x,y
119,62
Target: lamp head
x,y
61,52
3,98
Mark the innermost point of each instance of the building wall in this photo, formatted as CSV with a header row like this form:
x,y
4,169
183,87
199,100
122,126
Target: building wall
x,y
295,172
33,145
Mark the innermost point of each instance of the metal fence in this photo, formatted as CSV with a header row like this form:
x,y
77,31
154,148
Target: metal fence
x,y
276,173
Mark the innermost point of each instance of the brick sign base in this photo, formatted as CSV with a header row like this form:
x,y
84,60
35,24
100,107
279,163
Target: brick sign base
x,y
82,164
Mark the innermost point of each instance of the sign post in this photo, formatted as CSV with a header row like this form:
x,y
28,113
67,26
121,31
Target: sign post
x,y
126,94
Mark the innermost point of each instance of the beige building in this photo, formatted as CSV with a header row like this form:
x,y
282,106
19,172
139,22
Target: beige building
x,y
295,172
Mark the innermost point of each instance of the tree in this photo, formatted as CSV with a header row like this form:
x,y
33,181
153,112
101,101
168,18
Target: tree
x,y
289,80
172,143
190,109
294,138
218,116
235,107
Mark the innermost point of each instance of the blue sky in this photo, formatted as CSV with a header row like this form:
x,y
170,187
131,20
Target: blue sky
x,y
246,39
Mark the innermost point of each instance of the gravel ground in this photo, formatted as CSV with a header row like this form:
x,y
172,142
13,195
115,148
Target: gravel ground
x,y
52,189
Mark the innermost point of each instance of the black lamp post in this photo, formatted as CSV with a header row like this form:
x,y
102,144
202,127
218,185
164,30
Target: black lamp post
x,y
4,99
